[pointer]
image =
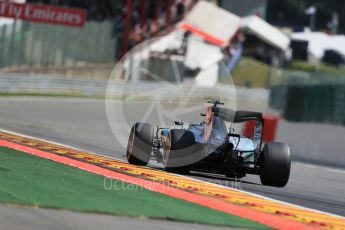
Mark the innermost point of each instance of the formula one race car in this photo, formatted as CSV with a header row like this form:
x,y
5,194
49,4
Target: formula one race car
x,y
212,147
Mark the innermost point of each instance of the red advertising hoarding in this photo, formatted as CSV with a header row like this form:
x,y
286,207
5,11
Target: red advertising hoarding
x,y
43,13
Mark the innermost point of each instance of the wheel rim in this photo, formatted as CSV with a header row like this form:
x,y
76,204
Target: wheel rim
x,y
130,143
166,153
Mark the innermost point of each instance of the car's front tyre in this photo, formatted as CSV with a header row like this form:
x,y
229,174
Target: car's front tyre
x,y
140,143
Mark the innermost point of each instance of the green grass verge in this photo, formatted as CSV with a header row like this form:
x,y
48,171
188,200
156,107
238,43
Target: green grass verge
x,y
319,68
33,181
251,73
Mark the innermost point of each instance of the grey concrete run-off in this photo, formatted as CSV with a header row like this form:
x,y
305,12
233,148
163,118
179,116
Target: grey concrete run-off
x,y
19,218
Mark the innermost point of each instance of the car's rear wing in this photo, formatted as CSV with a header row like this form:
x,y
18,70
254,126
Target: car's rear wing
x,y
233,116
230,115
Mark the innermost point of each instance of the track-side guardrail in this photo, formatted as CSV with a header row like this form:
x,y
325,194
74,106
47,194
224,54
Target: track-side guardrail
x,y
46,84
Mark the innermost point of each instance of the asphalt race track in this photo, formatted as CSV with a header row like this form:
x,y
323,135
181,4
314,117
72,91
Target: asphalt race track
x,y
83,123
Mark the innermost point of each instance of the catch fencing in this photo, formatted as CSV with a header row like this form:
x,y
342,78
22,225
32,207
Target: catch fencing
x,y
310,97
34,44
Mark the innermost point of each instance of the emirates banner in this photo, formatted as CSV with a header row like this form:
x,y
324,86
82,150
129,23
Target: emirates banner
x,y
43,13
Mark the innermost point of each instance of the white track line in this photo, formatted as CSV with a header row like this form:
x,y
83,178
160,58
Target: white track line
x,y
206,182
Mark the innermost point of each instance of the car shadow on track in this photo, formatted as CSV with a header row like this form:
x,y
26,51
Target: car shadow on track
x,y
211,178
215,178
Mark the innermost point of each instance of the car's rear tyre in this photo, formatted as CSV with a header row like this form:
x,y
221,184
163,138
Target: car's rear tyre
x,y
276,164
181,141
140,142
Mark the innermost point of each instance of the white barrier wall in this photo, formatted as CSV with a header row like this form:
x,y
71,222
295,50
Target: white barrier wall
x,y
314,143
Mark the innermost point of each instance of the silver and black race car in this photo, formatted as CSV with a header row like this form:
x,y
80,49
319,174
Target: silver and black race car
x,y
213,147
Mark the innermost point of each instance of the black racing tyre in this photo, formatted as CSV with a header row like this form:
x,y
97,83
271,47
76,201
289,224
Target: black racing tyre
x,y
276,164
181,142
140,143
